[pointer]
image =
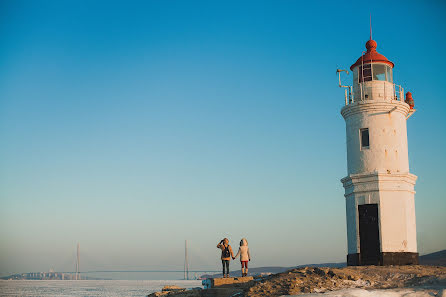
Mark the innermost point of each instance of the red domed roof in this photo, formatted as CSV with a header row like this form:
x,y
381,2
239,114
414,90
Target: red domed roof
x,y
371,55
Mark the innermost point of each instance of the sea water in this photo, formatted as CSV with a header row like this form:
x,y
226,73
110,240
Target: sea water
x,y
84,288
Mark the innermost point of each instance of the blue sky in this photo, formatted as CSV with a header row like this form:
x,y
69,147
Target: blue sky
x,y
131,126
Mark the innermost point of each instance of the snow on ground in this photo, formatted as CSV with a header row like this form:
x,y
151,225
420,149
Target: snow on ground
x,y
406,292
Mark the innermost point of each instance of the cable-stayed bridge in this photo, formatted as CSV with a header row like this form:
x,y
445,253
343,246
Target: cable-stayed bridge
x,y
78,272
111,271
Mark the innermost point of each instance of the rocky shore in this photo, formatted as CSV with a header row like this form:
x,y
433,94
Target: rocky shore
x,y
319,280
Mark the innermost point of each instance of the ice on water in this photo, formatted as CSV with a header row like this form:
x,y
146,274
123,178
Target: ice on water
x,y
93,288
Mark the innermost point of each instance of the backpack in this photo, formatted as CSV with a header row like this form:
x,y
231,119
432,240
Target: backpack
x,y
226,253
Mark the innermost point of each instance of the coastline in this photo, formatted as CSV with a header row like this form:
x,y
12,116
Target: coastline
x,y
310,280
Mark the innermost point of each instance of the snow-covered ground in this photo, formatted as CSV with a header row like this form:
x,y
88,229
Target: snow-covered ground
x,y
90,288
404,292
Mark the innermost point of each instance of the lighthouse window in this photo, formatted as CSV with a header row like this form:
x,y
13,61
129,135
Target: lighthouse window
x,y
366,72
364,133
379,72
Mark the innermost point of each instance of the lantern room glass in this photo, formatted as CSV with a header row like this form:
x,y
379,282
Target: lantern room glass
x,y
366,72
389,74
375,72
379,72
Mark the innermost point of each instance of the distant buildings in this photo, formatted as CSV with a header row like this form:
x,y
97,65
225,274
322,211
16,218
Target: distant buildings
x,y
51,275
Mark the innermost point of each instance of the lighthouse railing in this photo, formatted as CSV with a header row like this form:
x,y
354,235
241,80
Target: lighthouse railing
x,y
348,95
398,90
374,90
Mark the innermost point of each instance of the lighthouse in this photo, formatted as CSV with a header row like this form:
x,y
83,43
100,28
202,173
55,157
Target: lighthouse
x,y
379,189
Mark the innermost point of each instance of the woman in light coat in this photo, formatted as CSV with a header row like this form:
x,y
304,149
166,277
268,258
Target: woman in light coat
x,y
243,251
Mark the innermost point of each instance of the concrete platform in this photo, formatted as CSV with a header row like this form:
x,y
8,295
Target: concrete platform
x,y
217,282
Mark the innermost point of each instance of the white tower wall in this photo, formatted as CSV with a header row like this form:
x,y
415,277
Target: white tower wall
x,y
397,211
394,194
386,122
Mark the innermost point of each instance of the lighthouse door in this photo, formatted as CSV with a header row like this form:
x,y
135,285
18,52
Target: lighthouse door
x,y
369,234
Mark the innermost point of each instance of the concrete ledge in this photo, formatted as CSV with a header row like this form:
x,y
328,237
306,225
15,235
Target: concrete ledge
x,y
216,282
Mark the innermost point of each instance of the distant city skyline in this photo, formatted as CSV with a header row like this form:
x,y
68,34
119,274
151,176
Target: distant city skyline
x,y
130,127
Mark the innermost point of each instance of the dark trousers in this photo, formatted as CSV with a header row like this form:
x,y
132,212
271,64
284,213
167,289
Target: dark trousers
x,y
225,263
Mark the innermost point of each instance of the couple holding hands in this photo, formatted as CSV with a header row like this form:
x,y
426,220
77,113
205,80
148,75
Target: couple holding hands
x,y
226,254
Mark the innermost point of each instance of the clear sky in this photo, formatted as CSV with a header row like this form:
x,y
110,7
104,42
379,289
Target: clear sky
x,y
131,126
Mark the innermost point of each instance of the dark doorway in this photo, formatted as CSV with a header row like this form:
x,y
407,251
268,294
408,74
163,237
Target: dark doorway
x,y
369,234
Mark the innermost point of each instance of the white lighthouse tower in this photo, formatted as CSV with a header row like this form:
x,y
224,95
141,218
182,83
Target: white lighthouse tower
x,y
379,189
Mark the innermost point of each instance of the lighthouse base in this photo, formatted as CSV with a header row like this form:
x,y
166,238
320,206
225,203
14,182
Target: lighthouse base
x,y
386,258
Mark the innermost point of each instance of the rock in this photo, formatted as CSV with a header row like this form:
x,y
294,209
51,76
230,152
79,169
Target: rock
x,y
158,294
352,278
173,289
319,271
167,290
305,289
323,279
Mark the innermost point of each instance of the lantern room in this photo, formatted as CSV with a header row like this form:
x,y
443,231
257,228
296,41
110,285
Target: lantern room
x,y
373,76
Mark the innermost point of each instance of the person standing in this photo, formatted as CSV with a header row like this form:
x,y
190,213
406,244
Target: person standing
x,y
226,254
245,256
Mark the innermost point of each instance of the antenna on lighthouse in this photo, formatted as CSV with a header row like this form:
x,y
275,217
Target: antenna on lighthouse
x,y
186,262
371,27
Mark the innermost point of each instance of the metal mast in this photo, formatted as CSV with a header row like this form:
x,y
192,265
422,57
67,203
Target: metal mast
x,y
77,264
186,262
